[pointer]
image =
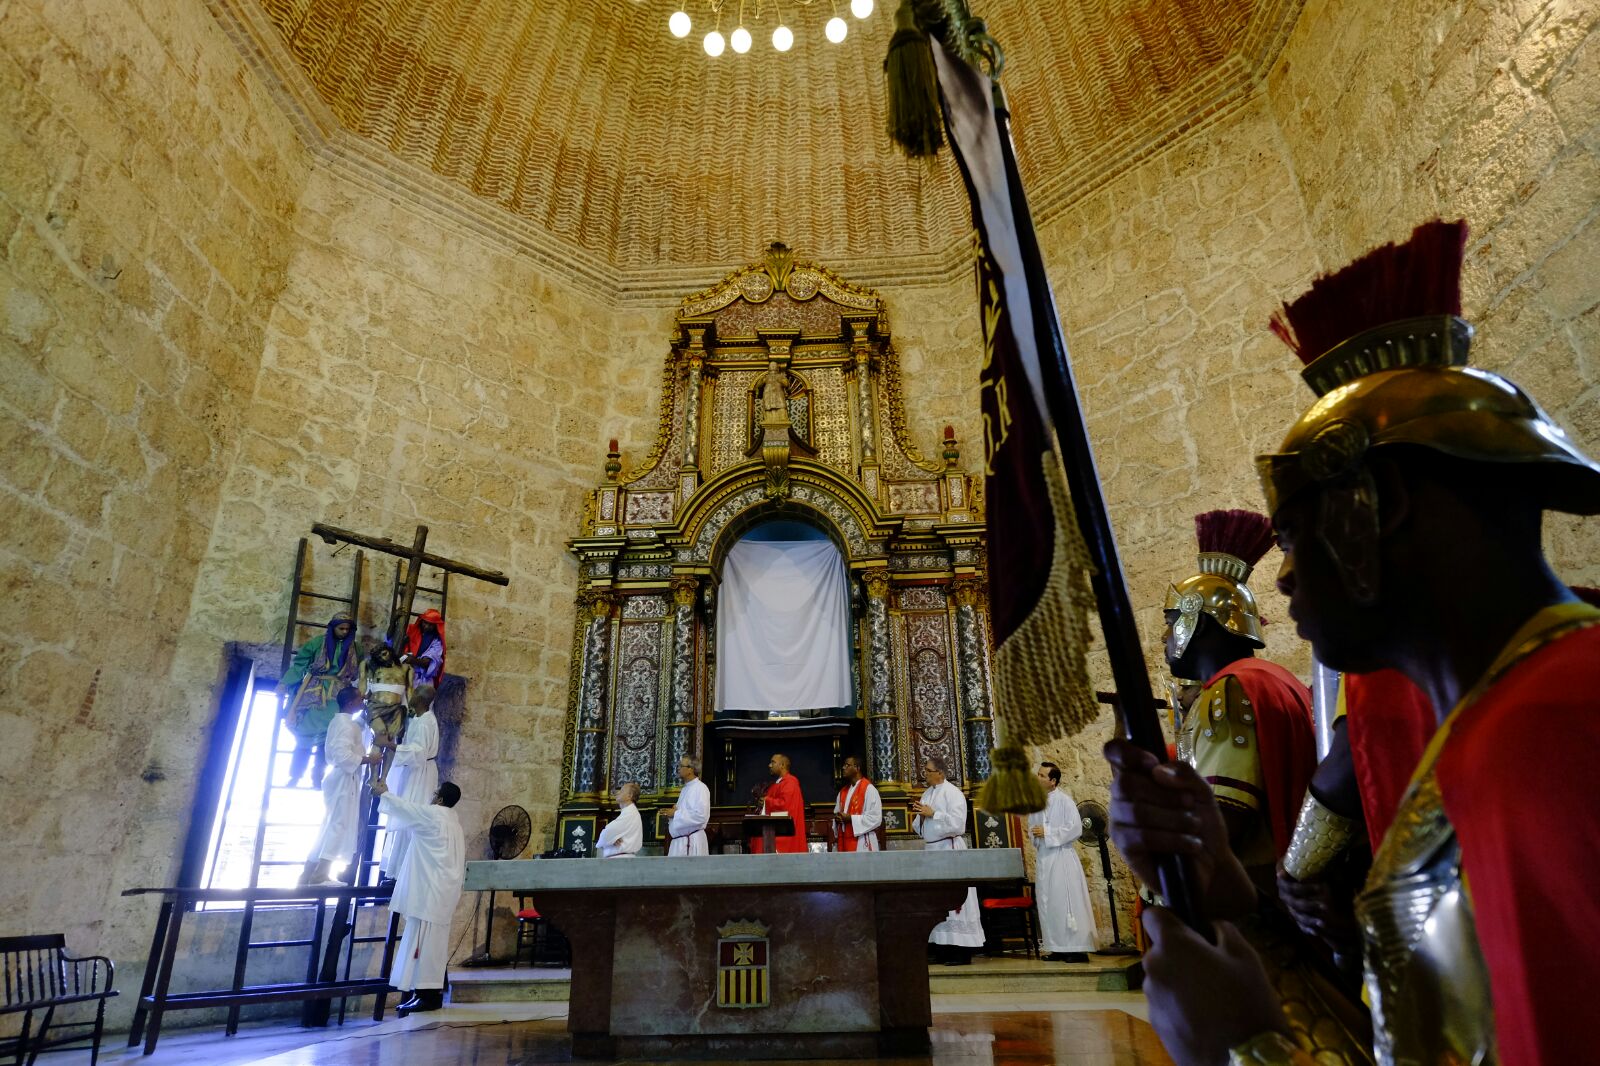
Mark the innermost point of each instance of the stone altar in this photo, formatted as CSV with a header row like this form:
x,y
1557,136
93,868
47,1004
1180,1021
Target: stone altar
x,y
749,957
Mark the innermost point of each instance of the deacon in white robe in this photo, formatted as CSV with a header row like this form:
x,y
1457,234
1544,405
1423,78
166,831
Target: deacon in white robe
x,y
687,823
624,835
414,773
345,747
426,891
858,812
1061,892
941,821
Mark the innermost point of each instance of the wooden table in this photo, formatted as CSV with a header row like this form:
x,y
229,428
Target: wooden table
x,y
155,999
785,956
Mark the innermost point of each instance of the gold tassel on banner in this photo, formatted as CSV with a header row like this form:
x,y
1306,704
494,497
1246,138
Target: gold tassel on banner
x,y
916,124
1042,687
1012,787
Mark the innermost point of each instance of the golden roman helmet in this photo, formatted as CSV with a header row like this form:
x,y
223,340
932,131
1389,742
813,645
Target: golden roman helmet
x,y
1406,381
1231,543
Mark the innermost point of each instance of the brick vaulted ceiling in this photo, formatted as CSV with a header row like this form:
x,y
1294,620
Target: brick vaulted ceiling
x,y
593,125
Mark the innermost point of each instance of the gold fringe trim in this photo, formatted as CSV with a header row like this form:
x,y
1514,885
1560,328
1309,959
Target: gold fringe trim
x,y
1042,687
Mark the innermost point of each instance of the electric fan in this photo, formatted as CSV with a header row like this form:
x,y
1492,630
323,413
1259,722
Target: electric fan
x,y
508,837
1096,833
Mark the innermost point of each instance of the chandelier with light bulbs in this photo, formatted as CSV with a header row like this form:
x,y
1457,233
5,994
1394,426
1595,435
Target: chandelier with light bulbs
x,y
836,29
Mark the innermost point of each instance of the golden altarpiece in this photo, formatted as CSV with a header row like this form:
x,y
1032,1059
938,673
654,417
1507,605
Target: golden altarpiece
x,y
781,399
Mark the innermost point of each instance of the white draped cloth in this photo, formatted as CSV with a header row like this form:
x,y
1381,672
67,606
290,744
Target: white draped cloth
x,y
687,827
427,888
413,775
345,745
623,836
1066,917
863,825
783,627
943,831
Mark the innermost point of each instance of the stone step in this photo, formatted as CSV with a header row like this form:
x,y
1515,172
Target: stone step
x,y
1102,973
503,985
984,975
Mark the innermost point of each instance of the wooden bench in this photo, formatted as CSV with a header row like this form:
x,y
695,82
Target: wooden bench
x,y
37,974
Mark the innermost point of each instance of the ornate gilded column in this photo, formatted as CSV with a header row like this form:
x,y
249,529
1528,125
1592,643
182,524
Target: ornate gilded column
x,y
882,735
691,412
680,723
588,771
869,446
971,665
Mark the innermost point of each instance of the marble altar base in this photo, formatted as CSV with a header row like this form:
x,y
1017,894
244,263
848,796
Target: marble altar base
x,y
826,954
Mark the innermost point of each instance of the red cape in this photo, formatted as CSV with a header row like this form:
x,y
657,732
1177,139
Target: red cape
x,y
1284,736
783,795
1517,777
1388,720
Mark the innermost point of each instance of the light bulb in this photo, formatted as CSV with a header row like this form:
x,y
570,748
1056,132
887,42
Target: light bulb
x,y
782,38
740,39
860,8
714,43
836,29
679,24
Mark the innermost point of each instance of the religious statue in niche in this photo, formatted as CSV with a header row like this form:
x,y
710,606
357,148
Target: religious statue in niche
x,y
775,395
386,684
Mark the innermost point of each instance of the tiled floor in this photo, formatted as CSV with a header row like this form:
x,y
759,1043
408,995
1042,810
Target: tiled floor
x,y
1073,1029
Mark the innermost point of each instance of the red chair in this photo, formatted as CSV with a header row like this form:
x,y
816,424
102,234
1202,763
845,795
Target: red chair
x,y
1012,917
546,944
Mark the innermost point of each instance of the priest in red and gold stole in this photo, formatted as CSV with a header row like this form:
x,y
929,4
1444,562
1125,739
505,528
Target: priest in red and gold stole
x,y
858,812
1409,502
783,797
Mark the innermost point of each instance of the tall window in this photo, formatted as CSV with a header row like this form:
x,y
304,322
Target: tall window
x,y
264,826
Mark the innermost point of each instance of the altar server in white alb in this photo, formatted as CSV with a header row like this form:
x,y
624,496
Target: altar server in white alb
x,y
414,773
686,823
858,812
1061,892
345,748
941,820
425,892
624,835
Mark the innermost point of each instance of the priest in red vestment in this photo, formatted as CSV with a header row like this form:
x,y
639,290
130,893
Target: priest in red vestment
x,y
783,797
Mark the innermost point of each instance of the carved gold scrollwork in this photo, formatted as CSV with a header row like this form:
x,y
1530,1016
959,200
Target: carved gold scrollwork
x,y
877,582
970,591
597,603
684,590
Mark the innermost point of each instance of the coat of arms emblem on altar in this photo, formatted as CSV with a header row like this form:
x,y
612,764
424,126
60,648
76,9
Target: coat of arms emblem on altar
x,y
743,957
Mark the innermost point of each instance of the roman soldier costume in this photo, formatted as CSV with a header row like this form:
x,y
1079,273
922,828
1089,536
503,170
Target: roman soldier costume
x,y
1249,733
1480,921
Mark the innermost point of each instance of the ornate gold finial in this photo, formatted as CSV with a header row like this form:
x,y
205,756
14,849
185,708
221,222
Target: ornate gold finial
x,y
952,448
779,264
613,461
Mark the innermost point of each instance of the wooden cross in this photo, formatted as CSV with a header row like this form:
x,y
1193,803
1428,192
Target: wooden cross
x,y
416,558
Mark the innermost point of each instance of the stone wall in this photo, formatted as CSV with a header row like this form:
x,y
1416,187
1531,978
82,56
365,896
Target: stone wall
x,y
415,375
1489,111
147,196
1165,278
